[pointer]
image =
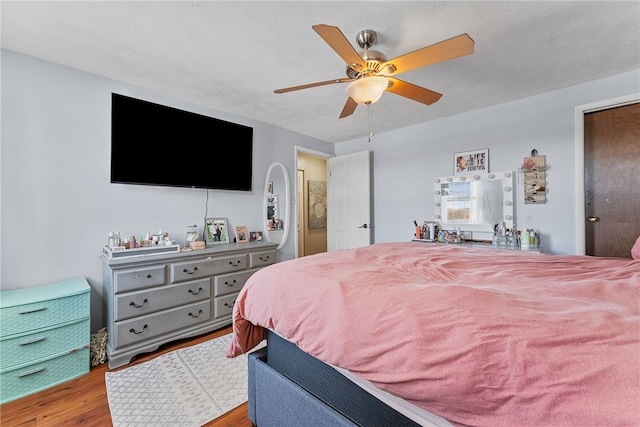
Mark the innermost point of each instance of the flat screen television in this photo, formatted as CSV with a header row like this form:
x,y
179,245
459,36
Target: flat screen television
x,y
152,144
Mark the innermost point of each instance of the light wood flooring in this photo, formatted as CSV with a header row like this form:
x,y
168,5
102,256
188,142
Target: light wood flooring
x,y
83,401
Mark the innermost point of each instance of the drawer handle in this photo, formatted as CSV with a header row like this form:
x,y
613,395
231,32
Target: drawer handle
x,y
190,272
138,333
230,284
33,341
35,371
237,263
35,310
226,304
195,293
265,259
133,304
195,315
148,276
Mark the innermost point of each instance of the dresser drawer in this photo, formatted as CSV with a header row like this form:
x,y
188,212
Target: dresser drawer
x,y
144,328
38,376
207,267
138,278
190,270
44,343
22,318
223,306
143,302
262,259
230,283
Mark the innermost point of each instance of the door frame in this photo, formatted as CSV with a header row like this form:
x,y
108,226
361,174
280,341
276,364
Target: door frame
x,y
297,150
579,113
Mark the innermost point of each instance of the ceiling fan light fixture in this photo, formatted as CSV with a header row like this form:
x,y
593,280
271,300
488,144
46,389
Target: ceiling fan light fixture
x,y
367,90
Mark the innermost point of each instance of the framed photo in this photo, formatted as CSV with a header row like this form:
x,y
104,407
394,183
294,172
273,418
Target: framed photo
x,y
471,161
241,234
255,236
216,231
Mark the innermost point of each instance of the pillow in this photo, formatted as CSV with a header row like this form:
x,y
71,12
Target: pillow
x,y
635,250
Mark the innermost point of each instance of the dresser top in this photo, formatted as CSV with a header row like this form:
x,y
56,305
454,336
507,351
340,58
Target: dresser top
x,y
23,296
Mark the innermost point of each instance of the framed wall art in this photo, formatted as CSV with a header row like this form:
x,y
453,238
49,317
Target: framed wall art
x,y
216,231
471,161
255,236
241,234
317,204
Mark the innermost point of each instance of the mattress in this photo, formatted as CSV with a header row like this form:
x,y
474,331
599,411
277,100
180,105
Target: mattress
x,y
353,396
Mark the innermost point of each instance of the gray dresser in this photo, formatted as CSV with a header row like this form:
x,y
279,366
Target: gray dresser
x,y
153,299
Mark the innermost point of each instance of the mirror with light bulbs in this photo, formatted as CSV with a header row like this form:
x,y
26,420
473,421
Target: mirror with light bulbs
x,y
275,211
476,202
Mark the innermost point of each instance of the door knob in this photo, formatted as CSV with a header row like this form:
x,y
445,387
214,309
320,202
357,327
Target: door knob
x,y
363,226
593,218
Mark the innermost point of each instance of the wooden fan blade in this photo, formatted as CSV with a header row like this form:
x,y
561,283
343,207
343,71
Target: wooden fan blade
x,y
307,86
443,51
349,108
411,91
338,42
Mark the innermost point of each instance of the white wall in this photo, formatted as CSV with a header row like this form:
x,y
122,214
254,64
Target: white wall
x,y
56,199
406,161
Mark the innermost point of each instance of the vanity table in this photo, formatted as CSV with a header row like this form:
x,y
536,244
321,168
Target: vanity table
x,y
485,245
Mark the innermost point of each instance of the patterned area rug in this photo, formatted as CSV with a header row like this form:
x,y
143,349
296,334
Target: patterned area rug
x,y
186,387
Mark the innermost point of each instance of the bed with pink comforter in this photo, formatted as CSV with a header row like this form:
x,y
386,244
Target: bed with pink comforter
x,y
481,337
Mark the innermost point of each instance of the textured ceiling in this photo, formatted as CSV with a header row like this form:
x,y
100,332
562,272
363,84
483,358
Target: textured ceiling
x,y
231,56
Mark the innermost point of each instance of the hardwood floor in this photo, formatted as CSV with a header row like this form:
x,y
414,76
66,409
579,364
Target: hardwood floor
x,y
83,401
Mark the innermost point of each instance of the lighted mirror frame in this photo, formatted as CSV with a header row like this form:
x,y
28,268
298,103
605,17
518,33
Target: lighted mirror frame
x,y
506,182
283,203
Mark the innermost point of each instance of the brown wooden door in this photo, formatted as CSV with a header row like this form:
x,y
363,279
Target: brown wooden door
x,y
612,180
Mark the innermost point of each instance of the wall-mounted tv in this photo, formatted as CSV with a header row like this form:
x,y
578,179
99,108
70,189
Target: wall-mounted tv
x,y
153,144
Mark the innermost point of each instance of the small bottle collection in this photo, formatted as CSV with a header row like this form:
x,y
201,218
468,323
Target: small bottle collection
x,y
131,242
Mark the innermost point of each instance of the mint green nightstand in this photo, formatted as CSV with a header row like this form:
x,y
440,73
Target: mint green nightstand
x,y
44,337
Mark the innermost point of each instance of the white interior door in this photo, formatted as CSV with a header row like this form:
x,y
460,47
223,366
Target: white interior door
x,y
349,201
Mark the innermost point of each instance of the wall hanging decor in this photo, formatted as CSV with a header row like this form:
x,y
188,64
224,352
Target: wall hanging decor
x,y
471,161
534,170
317,204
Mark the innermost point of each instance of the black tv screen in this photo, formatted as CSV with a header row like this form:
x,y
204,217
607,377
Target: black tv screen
x,y
152,144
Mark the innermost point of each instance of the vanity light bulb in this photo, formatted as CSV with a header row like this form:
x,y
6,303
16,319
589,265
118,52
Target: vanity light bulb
x,y
437,193
507,188
508,203
507,174
491,175
508,217
476,176
463,178
449,179
437,180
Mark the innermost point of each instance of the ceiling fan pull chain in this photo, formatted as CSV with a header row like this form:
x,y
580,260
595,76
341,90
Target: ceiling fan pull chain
x,y
370,122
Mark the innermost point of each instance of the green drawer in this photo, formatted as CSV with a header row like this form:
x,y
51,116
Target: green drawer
x,y
38,376
28,317
43,343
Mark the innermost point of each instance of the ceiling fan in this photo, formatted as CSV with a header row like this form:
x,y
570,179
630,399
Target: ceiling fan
x,y
370,73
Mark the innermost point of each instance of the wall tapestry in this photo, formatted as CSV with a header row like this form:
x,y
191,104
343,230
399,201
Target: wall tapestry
x,y
317,204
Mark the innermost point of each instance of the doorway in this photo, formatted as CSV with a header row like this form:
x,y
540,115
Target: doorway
x,y
311,165
609,232
612,180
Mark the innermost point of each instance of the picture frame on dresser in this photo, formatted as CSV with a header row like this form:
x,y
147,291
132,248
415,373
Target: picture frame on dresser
x,y
242,236
216,231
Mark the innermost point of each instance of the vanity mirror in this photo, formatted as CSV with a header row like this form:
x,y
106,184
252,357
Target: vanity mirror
x,y
474,203
276,204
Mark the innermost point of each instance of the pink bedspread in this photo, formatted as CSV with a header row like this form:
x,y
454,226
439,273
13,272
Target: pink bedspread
x,y
480,337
